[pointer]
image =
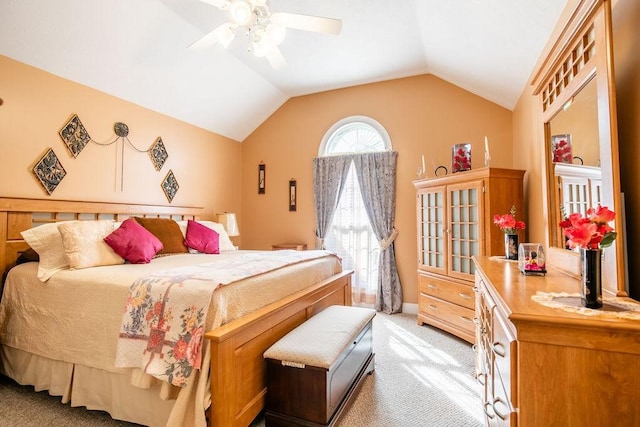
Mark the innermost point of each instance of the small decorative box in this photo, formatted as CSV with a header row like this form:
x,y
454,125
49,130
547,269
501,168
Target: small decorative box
x,y
531,259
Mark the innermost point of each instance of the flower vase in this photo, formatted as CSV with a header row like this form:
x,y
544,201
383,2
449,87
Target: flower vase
x,y
591,277
511,246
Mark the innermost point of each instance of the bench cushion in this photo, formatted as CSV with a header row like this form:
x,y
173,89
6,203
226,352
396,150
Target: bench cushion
x,y
334,328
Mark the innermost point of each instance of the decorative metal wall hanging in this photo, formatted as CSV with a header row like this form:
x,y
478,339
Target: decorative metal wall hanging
x,y
292,195
261,178
170,186
49,171
158,154
74,135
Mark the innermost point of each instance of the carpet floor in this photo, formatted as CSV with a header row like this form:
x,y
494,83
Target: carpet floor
x,y
423,377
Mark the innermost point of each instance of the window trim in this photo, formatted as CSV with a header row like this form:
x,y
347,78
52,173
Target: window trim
x,y
350,120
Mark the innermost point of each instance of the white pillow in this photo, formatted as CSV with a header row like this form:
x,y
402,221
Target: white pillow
x,y
46,240
84,244
224,241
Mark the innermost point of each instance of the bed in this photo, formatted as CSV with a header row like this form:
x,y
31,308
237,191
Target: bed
x,y
230,388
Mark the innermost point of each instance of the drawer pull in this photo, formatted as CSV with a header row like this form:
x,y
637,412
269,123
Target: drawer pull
x,y
432,307
475,289
500,415
486,407
498,349
476,320
466,319
465,296
430,286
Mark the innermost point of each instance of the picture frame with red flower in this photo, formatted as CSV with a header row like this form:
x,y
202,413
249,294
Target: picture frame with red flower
x,y
461,157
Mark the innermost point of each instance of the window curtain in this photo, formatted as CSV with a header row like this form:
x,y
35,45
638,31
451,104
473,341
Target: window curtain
x,y
377,178
329,176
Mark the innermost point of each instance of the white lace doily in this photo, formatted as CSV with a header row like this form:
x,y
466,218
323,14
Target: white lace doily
x,y
611,307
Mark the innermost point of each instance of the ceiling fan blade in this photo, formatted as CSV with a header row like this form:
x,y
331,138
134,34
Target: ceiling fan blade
x,y
222,4
317,24
223,35
275,58
206,41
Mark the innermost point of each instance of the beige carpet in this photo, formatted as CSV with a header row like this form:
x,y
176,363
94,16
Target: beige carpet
x,y
423,377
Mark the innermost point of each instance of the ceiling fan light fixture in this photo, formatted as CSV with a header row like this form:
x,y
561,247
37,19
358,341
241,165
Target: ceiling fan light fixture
x,y
241,12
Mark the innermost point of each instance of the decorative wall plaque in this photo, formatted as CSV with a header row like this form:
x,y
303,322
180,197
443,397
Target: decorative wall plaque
x,y
158,154
49,171
74,135
170,186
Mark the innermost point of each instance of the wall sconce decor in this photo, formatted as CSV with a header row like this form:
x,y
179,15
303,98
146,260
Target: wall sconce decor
x,y
170,186
49,171
292,195
261,178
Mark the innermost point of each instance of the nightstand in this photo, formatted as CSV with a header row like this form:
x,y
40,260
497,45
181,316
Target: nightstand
x,y
295,246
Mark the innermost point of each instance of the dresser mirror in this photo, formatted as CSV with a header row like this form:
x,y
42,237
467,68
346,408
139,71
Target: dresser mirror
x,y
576,87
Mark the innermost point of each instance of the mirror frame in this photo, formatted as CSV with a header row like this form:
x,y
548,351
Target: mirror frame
x,y
584,50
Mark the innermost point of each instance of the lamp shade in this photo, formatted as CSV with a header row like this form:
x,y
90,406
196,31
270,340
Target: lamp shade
x,y
229,222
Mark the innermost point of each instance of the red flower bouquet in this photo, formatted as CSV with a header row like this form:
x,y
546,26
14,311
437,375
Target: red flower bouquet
x,y
508,223
591,231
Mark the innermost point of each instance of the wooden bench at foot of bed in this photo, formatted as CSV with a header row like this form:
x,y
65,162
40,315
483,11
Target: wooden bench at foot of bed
x,y
238,369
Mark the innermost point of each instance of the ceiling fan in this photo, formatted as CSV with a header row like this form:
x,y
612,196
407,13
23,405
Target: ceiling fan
x,y
264,29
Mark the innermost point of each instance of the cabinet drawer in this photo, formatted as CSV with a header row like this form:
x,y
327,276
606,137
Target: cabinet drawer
x,y
503,347
461,317
456,293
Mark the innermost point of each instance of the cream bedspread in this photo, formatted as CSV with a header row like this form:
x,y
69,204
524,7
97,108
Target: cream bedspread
x,y
75,317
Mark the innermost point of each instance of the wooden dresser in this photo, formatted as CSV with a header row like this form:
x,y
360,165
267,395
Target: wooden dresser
x,y
544,366
454,217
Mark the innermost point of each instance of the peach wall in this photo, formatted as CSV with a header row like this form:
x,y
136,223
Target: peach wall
x,y
422,114
38,104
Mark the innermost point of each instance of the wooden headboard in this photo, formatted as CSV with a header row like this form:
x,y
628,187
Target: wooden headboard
x,y
17,214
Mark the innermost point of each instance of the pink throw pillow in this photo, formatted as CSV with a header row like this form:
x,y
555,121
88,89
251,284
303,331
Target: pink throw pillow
x,y
202,238
134,243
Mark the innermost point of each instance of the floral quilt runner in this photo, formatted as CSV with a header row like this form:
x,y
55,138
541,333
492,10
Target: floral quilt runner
x,y
165,313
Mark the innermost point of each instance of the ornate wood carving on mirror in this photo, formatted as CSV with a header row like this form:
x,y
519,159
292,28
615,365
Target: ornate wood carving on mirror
x,y
578,75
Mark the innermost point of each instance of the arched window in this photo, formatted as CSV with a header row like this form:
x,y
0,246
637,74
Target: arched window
x,y
350,234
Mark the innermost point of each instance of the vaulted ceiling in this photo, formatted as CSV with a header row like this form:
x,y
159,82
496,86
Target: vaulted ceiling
x,y
137,50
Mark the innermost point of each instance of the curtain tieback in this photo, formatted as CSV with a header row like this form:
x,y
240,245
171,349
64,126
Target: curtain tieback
x,y
319,243
385,243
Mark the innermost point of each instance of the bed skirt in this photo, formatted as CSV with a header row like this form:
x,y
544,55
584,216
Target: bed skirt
x,y
92,388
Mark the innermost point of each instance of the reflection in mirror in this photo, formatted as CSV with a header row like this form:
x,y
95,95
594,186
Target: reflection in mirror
x,y
576,85
575,153
577,125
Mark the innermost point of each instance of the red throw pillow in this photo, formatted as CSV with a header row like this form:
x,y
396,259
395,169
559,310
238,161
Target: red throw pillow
x,y
133,242
202,238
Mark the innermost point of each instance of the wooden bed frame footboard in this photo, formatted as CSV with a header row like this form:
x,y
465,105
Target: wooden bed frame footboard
x,y
238,370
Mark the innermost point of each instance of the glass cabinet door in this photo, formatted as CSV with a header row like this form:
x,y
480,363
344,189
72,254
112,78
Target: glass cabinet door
x,y
464,225
432,241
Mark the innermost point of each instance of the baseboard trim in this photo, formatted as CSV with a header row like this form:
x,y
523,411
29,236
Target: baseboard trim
x,y
410,308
